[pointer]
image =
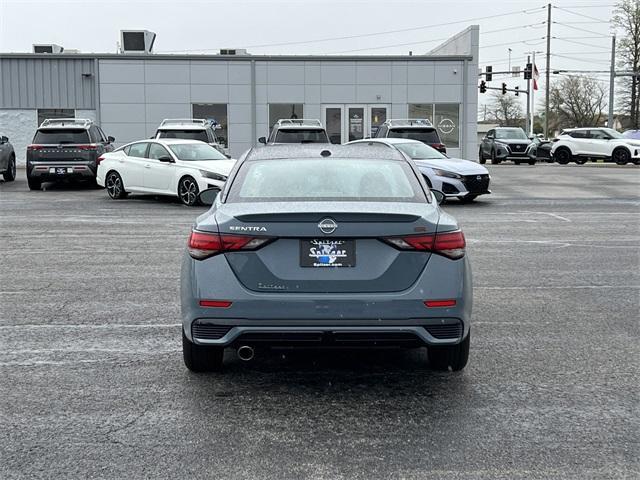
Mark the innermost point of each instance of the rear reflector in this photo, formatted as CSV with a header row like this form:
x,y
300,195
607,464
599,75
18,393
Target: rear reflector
x,y
31,148
203,245
99,159
449,244
87,147
215,303
440,303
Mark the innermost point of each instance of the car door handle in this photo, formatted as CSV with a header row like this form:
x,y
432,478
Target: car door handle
x,y
147,166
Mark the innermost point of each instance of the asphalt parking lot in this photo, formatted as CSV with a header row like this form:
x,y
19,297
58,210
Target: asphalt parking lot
x,y
93,384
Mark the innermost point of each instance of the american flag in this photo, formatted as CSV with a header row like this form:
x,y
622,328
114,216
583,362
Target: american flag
x,y
536,75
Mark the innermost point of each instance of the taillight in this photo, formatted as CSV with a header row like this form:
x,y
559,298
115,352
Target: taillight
x,y
440,147
448,244
87,147
99,159
31,148
203,245
215,303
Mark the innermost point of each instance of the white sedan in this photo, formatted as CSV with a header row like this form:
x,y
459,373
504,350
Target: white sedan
x,y
456,178
180,168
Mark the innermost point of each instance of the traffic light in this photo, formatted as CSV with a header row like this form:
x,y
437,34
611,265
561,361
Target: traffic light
x,y
504,88
517,89
527,71
483,86
488,73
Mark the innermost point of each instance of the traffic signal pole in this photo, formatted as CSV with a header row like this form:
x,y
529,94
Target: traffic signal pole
x,y
529,122
547,86
612,81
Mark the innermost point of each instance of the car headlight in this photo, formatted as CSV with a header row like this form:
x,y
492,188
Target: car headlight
x,y
444,173
213,175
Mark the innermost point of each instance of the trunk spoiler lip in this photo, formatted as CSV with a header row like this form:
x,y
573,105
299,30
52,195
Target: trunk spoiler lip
x,y
350,217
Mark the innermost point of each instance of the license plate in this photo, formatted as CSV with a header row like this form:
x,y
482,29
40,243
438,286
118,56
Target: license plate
x,y
327,253
59,170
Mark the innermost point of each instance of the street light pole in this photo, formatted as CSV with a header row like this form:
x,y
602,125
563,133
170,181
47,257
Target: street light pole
x,y
529,99
612,78
547,87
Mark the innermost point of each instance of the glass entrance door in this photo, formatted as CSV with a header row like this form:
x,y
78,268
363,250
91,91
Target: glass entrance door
x,y
345,123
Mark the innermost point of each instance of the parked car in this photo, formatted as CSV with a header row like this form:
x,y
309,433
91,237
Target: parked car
x,y
506,143
454,177
583,144
315,245
7,160
301,130
190,129
179,168
540,149
632,134
419,129
64,149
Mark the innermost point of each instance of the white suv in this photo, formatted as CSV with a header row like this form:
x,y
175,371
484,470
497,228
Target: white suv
x,y
582,144
190,129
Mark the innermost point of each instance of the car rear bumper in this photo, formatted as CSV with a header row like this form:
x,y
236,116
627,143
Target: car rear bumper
x,y
48,170
420,332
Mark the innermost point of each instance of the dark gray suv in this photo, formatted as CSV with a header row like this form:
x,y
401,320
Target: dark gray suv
x,y
296,130
65,149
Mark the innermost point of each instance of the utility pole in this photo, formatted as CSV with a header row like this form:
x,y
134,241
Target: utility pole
x,y
528,99
531,97
612,79
547,86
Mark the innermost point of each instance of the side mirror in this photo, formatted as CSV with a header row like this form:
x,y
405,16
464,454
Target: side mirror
x,y
227,155
4,139
166,159
439,196
208,196
263,140
111,139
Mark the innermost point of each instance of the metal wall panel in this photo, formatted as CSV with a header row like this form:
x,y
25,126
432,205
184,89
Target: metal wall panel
x,y
47,83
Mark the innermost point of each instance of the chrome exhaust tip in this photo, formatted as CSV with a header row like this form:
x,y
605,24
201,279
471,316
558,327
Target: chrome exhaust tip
x,y
245,353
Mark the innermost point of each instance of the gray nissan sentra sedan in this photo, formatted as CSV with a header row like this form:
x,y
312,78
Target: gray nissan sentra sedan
x,y
310,246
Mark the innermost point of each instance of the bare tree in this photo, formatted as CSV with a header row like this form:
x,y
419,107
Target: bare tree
x,y
577,101
506,110
626,17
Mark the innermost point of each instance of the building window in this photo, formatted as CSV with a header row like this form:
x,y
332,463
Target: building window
x,y
217,114
44,113
444,116
284,110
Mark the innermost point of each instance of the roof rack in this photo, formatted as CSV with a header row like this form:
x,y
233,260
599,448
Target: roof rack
x,y
66,122
403,122
182,121
306,122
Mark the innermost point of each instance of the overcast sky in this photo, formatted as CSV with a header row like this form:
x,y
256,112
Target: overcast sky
x,y
185,26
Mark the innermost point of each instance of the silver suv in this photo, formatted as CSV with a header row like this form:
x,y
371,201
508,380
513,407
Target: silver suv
x,y
419,129
190,129
294,130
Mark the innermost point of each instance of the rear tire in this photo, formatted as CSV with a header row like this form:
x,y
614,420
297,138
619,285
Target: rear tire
x,y
10,174
563,156
34,184
580,161
532,162
114,185
454,357
201,358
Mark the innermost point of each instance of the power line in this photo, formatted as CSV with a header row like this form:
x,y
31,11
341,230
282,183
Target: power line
x,y
579,43
373,34
576,13
584,60
582,29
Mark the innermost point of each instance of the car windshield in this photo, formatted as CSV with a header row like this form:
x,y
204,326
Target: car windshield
x,y
195,152
511,134
57,136
326,179
301,136
189,134
420,151
633,134
426,135
613,133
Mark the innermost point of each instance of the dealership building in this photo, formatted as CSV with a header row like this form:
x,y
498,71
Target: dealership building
x,y
129,94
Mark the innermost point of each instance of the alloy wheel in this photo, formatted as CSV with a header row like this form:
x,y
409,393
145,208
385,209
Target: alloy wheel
x,y
188,191
621,157
114,185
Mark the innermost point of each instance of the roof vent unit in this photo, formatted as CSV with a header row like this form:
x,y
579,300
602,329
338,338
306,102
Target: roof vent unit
x,y
233,51
47,48
136,41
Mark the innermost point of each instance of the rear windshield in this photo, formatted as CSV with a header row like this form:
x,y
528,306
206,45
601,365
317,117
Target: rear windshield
x,y
335,179
196,152
426,135
185,134
301,136
57,136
